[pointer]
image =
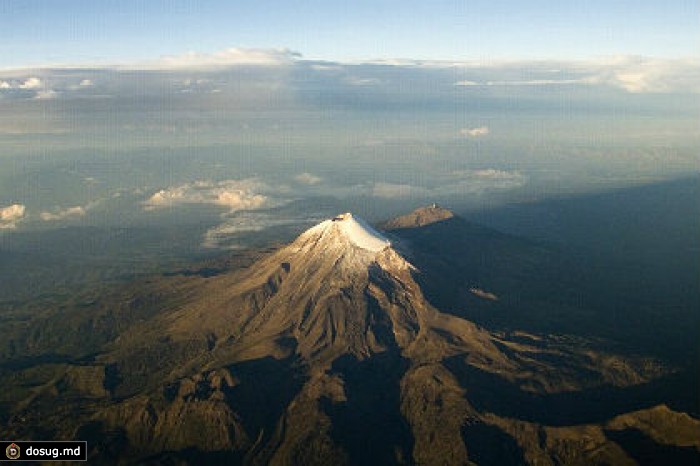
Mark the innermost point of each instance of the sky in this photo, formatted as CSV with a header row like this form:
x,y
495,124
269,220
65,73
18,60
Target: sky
x,y
40,32
238,117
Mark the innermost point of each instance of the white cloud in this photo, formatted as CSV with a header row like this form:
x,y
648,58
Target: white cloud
x,y
407,62
74,212
228,57
241,199
31,83
308,178
238,199
475,132
355,81
34,84
235,195
630,73
327,67
46,94
636,74
632,81
488,173
11,215
539,82
83,84
466,83
62,214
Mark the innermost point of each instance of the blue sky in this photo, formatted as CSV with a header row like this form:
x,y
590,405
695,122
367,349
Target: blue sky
x,y
45,32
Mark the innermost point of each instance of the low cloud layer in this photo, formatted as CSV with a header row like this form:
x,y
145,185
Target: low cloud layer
x,y
11,215
199,93
633,74
242,72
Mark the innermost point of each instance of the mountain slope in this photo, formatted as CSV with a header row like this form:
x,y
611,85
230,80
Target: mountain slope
x,y
328,351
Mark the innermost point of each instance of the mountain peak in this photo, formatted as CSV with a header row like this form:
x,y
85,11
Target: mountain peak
x,y
349,228
420,217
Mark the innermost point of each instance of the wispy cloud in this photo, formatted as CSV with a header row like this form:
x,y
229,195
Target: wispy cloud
x,y
226,235
541,82
398,191
466,82
488,174
357,81
458,182
308,178
11,215
62,214
78,211
329,67
475,132
634,74
46,94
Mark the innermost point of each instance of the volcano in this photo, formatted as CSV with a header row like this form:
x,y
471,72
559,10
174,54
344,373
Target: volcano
x,y
351,346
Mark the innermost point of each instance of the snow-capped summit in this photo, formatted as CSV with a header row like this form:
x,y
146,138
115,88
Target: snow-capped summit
x,y
349,229
360,233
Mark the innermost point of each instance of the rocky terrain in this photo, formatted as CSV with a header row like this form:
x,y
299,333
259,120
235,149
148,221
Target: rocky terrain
x,y
349,346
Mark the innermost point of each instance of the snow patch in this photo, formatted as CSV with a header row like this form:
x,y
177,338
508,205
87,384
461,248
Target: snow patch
x,y
360,233
344,229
